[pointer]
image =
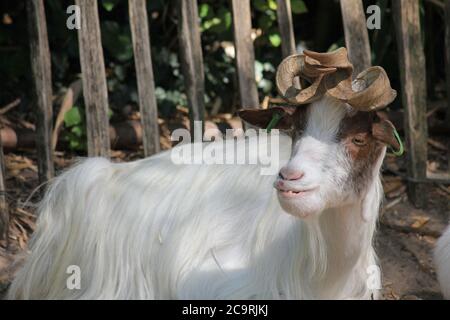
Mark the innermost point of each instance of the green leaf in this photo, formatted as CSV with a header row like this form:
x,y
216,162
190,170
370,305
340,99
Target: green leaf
x,y
125,48
275,39
298,6
227,19
77,131
272,4
74,144
210,23
117,40
204,10
72,117
260,5
224,18
109,4
265,21
333,47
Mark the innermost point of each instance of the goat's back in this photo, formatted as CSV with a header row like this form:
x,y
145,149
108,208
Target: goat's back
x,y
147,229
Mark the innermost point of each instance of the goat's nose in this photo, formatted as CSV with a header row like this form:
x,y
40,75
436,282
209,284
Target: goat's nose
x,y
289,174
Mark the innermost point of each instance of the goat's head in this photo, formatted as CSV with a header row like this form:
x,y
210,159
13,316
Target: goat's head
x,y
338,139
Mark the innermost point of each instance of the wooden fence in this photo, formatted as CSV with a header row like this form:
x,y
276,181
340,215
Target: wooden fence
x,y
411,61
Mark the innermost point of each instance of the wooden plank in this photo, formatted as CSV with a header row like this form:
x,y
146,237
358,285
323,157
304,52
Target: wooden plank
x,y
447,55
191,59
42,87
144,72
412,74
356,35
245,56
94,79
447,68
4,213
286,27
429,46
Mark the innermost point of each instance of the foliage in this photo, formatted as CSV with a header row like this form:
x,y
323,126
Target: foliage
x,y
75,134
317,26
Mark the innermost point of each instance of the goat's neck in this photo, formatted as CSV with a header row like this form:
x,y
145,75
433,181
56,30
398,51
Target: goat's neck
x,y
346,235
341,243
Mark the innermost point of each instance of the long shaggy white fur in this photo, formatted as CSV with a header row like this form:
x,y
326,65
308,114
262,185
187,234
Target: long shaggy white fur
x,y
154,230
442,262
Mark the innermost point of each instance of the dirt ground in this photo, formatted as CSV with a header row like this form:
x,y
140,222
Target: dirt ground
x,y
404,240
404,244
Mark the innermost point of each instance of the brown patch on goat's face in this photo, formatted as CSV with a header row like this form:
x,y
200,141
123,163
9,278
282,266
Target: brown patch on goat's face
x,y
362,147
299,118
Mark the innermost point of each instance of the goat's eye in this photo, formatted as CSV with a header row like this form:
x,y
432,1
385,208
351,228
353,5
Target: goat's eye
x,y
359,141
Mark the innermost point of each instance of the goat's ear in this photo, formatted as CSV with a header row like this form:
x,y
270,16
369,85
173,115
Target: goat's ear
x,y
262,117
384,131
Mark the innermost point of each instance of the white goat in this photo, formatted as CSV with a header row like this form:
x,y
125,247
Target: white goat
x,y
151,229
442,262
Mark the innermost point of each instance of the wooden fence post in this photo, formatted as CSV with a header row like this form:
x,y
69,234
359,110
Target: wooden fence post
x,y
286,27
245,56
356,35
4,213
42,87
447,55
412,73
191,59
94,79
144,72
447,68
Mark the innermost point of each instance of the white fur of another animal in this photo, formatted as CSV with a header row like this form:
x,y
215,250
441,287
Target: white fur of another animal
x,y
442,262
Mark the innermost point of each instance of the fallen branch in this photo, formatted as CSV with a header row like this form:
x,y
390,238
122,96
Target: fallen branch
x,y
409,229
9,106
437,3
393,203
440,177
71,96
437,144
445,189
123,135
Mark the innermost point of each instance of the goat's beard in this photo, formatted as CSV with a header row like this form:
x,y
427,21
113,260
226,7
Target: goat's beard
x,y
303,207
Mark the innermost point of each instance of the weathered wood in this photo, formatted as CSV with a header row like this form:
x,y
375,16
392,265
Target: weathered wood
x,y
286,27
144,72
191,59
356,35
94,79
429,47
447,67
245,56
447,55
42,86
4,213
412,74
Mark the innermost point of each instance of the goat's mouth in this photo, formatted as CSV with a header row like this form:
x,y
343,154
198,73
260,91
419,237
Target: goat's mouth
x,y
290,193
